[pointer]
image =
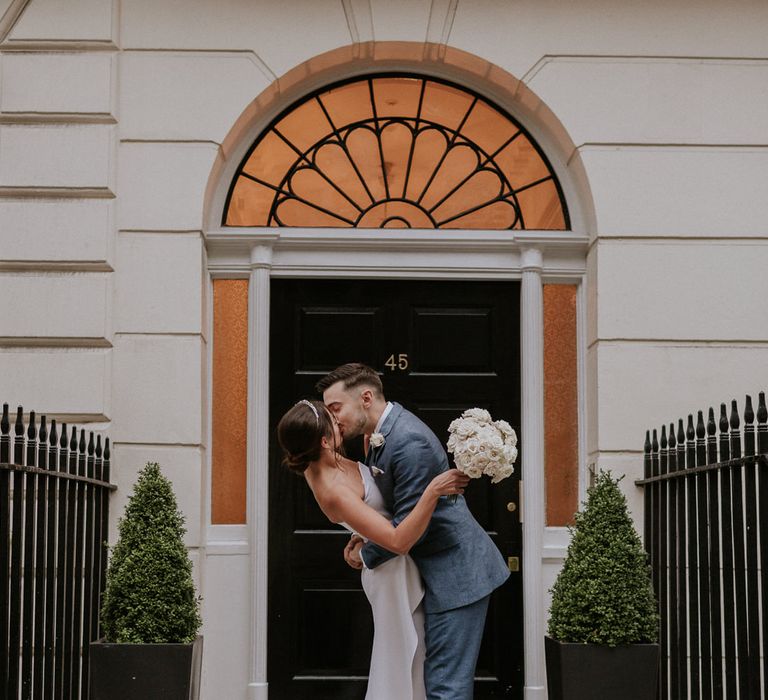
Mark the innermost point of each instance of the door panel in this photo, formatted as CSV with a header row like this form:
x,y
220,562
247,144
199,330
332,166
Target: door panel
x,y
432,354
442,347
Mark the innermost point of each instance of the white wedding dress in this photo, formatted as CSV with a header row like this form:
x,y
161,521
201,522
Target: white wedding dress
x,y
395,591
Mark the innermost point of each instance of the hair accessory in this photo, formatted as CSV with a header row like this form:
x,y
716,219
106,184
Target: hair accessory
x,y
312,406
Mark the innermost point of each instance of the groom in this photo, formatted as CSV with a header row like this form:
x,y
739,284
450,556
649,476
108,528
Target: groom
x,y
459,563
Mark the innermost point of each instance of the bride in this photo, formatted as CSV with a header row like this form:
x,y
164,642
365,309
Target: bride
x,y
347,494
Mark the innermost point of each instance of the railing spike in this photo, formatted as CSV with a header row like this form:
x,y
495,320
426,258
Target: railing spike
x,y
762,411
5,436
664,437
680,433
31,441
63,449
734,422
723,419
79,466
18,442
690,433
700,431
53,447
647,444
42,445
762,424
749,427
655,442
701,445
98,447
735,437
32,429
711,437
749,413
91,445
672,442
105,465
724,444
72,454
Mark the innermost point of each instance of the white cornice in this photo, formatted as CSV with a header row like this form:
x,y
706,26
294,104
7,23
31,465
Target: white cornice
x,y
365,239
399,253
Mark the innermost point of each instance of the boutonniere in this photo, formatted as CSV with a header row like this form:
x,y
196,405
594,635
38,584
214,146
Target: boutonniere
x,y
376,471
376,440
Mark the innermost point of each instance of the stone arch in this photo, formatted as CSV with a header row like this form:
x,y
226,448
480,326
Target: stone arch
x,y
457,67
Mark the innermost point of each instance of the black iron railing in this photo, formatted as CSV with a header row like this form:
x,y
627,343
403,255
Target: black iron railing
x,y
54,514
706,531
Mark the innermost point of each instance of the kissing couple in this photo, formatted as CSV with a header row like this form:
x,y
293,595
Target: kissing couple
x,y
428,567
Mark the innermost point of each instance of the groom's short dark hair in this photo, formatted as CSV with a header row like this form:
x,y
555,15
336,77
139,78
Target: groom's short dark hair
x,y
352,374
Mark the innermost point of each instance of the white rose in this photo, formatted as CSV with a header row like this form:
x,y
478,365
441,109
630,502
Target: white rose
x,y
463,461
465,428
473,472
502,473
479,414
376,440
472,445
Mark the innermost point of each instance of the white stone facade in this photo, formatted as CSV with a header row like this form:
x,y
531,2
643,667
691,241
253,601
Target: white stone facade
x,y
122,122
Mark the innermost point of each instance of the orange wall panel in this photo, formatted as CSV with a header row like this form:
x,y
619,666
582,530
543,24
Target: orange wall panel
x,y
561,415
230,401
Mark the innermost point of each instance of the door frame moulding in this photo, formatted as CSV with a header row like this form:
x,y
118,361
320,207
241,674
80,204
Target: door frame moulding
x,y
534,257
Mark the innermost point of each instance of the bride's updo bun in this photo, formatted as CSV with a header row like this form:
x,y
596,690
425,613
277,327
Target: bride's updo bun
x,y
300,432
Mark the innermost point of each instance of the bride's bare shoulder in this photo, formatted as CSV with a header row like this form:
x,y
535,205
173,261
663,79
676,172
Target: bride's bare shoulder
x,y
334,499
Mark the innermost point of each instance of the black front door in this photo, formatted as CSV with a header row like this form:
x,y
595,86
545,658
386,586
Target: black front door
x,y
442,347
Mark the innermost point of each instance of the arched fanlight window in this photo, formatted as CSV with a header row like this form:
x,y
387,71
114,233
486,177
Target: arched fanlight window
x,y
396,152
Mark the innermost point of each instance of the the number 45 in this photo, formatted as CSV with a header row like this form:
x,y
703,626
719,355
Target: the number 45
x,y
401,362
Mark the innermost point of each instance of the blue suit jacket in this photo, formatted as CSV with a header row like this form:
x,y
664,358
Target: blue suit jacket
x,y
457,560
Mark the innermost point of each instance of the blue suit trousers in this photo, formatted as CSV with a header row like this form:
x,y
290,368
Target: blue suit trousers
x,y
453,643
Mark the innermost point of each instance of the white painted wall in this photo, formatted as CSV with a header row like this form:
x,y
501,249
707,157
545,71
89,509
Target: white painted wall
x,y
112,118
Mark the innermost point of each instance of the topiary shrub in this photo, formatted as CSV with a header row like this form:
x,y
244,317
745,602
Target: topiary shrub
x,y
150,596
603,594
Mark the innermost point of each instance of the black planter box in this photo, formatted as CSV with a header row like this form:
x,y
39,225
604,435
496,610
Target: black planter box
x,y
592,671
145,671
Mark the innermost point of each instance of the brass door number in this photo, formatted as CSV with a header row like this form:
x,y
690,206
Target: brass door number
x,y
397,362
513,563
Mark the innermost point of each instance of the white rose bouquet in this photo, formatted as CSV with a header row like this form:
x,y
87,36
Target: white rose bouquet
x,y
481,445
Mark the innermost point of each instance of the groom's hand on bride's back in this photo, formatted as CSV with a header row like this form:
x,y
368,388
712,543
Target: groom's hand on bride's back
x,y
352,552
